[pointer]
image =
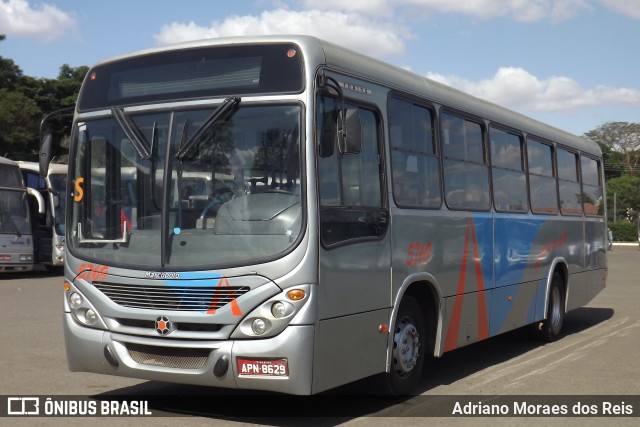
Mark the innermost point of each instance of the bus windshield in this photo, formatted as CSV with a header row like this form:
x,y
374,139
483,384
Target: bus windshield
x,y
14,206
14,212
205,195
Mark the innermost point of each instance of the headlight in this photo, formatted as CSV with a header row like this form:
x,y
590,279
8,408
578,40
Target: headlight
x,y
258,326
91,317
75,300
279,310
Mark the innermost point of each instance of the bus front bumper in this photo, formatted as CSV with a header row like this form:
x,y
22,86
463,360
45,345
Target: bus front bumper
x,y
13,267
208,363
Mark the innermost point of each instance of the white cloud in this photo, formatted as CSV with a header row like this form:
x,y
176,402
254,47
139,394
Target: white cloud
x,y
518,89
46,22
519,10
352,30
369,7
630,8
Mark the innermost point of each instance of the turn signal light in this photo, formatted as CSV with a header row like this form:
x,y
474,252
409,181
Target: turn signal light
x,y
295,294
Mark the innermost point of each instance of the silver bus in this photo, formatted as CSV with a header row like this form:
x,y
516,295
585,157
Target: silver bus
x,y
360,219
48,229
16,239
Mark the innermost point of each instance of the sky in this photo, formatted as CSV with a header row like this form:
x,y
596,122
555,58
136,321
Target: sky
x,y
574,64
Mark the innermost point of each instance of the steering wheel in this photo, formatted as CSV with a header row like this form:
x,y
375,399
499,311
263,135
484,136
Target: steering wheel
x,y
218,198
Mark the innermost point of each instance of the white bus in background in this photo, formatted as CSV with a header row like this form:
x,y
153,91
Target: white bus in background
x,y
48,229
16,241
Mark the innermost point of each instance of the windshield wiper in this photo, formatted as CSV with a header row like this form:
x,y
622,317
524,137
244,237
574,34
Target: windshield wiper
x,y
227,107
132,132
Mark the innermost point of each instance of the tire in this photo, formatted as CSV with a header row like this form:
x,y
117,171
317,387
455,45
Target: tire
x,y
549,330
409,350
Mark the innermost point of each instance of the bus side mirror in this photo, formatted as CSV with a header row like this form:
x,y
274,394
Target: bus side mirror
x,y
350,131
45,155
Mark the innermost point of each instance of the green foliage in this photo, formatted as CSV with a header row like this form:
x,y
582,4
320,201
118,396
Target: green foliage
x,y
620,143
25,100
626,192
624,231
18,124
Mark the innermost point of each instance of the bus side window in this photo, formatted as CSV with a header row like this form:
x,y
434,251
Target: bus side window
x,y
592,201
569,187
466,174
415,165
509,179
542,182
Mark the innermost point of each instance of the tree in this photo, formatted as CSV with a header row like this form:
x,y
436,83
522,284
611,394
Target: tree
x,y
19,125
626,192
25,100
623,142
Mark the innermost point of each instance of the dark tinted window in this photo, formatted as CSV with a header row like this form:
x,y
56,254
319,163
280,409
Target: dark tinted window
x,y
542,183
416,169
10,176
568,185
592,201
509,179
466,175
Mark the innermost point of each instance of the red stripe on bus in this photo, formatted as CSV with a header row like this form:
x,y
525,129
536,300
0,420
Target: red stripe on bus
x,y
483,324
451,341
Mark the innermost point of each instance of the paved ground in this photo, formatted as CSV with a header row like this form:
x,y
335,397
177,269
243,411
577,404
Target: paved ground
x,y
598,355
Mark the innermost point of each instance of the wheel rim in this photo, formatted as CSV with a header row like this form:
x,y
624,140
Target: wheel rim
x,y
406,350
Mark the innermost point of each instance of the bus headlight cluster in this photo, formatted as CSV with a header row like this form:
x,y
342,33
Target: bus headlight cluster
x,y
272,316
81,309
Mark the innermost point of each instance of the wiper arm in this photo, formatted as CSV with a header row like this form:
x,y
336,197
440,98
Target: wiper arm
x,y
227,107
132,133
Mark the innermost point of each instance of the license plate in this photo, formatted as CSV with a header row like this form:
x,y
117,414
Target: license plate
x,y
4,257
263,367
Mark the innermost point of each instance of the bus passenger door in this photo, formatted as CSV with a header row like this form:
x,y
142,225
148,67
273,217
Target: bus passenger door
x,y
354,270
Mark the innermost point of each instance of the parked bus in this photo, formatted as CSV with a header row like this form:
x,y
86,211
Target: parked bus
x,y
48,229
362,219
16,240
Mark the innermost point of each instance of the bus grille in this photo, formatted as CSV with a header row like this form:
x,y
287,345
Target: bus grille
x,y
179,358
174,298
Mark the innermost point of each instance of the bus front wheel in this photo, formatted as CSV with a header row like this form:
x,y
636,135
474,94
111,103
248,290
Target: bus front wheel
x,y
409,349
549,329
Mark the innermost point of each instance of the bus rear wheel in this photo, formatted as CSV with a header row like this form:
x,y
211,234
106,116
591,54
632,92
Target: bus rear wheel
x,y
549,330
409,347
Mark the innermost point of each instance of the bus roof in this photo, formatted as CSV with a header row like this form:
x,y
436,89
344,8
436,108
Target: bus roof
x,y
318,52
35,167
5,161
